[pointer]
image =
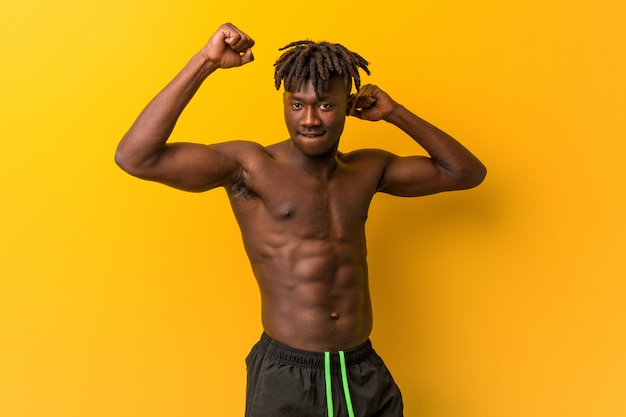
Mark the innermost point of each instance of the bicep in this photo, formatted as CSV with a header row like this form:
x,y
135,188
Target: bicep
x,y
192,167
414,176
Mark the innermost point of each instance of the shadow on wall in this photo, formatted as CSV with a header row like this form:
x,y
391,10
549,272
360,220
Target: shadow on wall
x,y
418,249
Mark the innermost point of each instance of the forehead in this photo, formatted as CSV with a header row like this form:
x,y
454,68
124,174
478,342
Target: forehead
x,y
335,89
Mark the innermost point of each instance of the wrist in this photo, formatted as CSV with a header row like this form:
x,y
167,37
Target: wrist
x,y
393,115
206,64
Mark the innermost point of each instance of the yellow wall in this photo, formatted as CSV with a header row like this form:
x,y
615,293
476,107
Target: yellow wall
x,y
125,298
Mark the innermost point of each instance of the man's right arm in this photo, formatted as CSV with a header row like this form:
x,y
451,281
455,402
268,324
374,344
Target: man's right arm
x,y
144,152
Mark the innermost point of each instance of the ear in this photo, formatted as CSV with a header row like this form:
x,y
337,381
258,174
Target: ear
x,y
351,102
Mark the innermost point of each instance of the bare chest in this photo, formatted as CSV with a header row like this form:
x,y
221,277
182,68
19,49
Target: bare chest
x,y
302,205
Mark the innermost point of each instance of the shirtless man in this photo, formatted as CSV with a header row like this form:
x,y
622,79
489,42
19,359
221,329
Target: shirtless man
x,y
301,205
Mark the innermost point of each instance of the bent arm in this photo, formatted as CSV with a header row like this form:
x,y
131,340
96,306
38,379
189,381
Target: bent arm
x,y
143,151
450,166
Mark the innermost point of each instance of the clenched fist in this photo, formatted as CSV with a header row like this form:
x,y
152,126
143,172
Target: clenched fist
x,y
229,47
371,103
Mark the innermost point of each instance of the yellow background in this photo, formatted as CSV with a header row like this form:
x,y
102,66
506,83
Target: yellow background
x,y
125,298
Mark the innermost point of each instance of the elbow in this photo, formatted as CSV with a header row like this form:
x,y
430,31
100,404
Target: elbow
x,y
121,160
126,162
464,178
473,177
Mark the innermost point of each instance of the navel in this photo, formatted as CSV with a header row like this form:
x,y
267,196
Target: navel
x,y
334,315
286,212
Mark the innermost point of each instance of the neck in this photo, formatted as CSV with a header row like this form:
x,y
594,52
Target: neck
x,y
321,166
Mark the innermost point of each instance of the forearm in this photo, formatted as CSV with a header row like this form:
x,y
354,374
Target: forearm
x,y
445,151
147,136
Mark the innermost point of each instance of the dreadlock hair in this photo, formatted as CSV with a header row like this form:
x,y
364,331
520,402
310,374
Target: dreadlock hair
x,y
318,62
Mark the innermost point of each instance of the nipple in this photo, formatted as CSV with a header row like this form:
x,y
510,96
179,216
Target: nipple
x,y
334,315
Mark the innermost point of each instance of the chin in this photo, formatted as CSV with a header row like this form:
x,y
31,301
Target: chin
x,y
318,151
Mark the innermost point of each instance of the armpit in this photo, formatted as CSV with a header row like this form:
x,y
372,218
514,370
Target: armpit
x,y
239,187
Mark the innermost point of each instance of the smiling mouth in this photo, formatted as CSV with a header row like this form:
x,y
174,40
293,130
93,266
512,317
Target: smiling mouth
x,y
311,135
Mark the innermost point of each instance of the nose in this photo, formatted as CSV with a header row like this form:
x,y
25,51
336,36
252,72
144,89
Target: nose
x,y
310,117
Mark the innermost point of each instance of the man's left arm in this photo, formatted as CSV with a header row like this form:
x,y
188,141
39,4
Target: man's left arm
x,y
450,166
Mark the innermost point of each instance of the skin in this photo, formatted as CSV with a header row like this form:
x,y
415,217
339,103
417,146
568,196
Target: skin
x,y
301,204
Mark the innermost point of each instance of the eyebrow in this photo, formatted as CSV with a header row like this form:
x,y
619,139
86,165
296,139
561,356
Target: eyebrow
x,y
295,96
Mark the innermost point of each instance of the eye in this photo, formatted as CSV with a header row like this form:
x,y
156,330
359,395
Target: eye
x,y
326,106
296,106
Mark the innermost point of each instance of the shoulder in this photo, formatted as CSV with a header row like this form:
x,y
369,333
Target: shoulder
x,y
367,156
367,166
244,153
239,148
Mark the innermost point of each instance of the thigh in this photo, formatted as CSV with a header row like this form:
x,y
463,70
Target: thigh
x,y
374,391
277,389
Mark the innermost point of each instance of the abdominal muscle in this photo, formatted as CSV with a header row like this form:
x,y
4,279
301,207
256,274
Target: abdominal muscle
x,y
315,295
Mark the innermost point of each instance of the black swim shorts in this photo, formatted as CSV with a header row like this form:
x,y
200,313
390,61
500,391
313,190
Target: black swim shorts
x,y
287,382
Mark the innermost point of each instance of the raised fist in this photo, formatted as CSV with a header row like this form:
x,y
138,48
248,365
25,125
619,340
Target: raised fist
x,y
371,103
229,47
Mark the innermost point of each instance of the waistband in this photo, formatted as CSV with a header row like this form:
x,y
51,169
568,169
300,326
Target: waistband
x,y
308,359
